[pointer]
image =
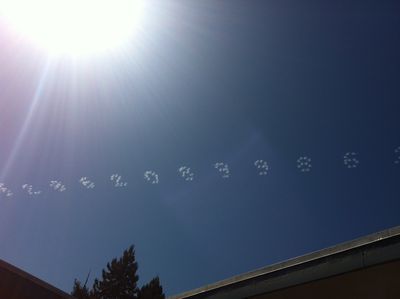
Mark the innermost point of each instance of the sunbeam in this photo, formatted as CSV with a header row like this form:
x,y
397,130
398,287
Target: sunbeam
x,y
33,107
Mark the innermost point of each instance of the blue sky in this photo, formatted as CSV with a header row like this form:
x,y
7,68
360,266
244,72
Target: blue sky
x,y
213,81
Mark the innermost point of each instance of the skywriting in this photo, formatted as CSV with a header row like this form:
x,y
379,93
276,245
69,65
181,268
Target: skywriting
x,y
216,136
262,168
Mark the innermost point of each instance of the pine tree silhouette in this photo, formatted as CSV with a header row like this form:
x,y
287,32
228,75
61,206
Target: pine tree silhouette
x,y
79,291
119,280
152,290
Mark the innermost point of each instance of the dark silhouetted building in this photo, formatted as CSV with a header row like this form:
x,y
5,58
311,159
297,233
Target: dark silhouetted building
x,y
18,284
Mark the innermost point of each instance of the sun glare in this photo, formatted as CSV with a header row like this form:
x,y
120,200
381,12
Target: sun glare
x,y
75,27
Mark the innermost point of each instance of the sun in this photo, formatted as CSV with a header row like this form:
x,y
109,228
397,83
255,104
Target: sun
x,y
73,27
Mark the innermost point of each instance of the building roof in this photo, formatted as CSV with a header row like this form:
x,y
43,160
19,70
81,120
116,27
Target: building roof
x,y
18,284
360,253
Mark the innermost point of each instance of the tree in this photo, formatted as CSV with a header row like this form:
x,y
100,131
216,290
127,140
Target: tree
x,y
79,291
152,290
119,280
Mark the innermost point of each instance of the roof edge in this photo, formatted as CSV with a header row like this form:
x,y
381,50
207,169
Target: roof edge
x,y
25,275
315,255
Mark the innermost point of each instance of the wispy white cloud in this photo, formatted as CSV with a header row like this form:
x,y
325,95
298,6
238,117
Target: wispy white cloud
x,y
5,190
223,169
29,189
57,186
397,153
262,167
85,182
304,164
151,177
117,180
186,173
350,160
